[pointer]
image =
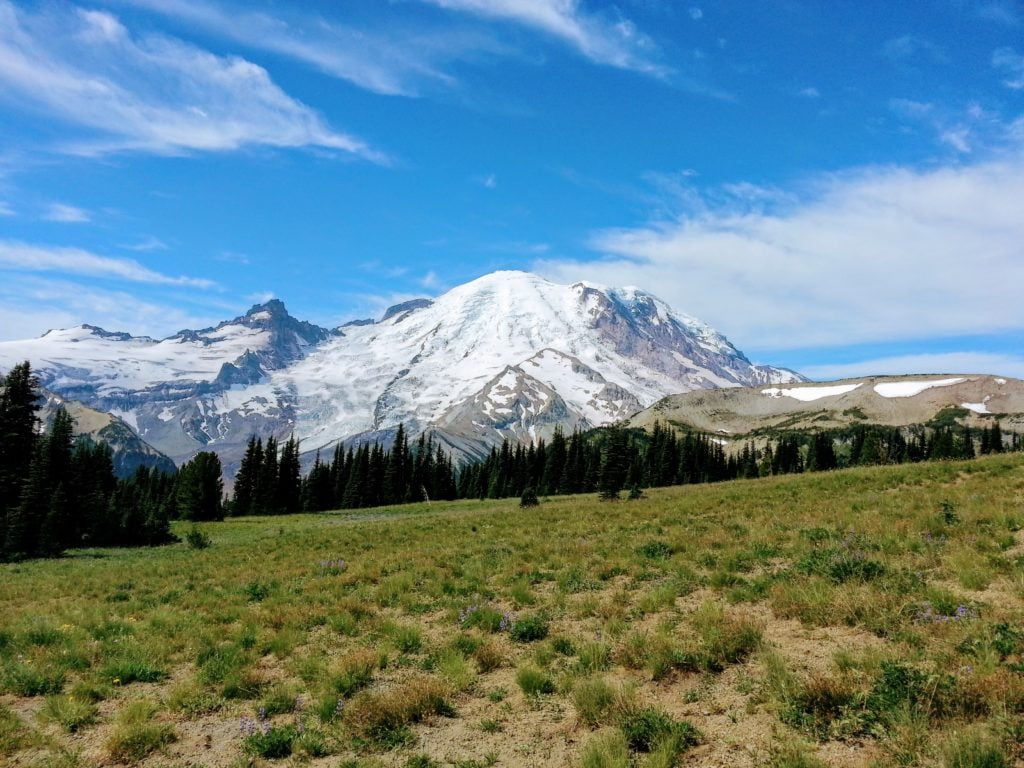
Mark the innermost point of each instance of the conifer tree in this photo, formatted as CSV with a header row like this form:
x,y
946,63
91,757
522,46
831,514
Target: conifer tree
x,y
289,484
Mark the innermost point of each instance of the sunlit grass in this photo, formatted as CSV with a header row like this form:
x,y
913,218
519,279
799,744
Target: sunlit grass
x,y
569,618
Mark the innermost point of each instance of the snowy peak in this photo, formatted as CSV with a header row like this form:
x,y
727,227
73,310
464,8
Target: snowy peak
x,y
508,355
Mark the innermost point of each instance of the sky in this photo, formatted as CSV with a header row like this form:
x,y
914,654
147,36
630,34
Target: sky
x,y
838,187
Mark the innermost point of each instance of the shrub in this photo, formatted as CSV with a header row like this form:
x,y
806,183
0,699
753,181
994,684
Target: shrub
x,y
529,497
534,682
648,728
273,743
196,539
529,629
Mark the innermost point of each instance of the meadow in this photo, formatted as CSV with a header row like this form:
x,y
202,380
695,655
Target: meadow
x,y
865,617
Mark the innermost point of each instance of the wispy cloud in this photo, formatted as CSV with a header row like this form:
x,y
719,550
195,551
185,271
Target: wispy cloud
x,y
394,63
150,93
1011,64
809,93
958,129
910,47
5,209
30,305
147,245
67,214
75,261
878,254
614,42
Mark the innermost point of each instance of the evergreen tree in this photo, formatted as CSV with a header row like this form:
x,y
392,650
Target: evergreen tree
x,y
264,500
288,493
614,464
200,488
247,477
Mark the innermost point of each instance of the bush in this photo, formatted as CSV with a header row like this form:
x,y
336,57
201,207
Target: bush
x,y
27,680
273,743
646,729
534,682
529,497
196,539
529,629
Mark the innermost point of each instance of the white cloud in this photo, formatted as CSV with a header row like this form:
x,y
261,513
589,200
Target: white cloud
x,y
612,43
696,14
31,305
148,244
395,63
809,93
150,93
1000,13
939,362
24,257
877,254
430,280
910,47
67,214
5,209
1011,64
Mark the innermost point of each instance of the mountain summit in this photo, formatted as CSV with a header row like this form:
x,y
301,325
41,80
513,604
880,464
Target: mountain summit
x,y
507,356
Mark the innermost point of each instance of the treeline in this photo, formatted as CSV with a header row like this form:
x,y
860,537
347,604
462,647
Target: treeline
x,y
269,483
58,492
865,445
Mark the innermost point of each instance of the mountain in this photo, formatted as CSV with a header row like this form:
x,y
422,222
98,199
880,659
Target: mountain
x,y
897,401
509,355
128,450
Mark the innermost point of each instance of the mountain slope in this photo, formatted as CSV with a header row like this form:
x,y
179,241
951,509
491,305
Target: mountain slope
x,y
887,400
578,355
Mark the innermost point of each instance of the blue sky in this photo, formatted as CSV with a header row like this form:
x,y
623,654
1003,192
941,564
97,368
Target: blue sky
x,y
838,187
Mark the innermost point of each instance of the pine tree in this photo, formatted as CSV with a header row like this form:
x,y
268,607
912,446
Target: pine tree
x,y
614,464
289,483
247,477
265,494
200,488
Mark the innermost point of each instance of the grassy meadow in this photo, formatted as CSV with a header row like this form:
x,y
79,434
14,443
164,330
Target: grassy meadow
x,y
868,617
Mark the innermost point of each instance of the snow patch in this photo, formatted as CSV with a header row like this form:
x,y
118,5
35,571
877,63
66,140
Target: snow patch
x,y
808,394
911,388
165,415
1000,381
981,407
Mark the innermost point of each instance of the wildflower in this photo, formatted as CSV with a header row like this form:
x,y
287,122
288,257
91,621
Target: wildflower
x,y
116,681
262,714
248,726
506,622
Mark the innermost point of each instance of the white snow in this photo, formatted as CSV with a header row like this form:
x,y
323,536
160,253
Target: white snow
x,y
808,394
912,388
1000,381
981,407
166,414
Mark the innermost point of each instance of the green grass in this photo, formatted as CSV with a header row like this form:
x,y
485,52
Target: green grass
x,y
598,634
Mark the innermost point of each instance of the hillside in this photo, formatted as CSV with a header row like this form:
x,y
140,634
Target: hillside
x,y
897,401
867,617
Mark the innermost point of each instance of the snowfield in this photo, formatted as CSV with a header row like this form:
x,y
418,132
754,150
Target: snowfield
x,y
911,388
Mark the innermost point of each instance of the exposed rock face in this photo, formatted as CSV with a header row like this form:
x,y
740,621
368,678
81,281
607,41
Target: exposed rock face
x,y
128,450
507,356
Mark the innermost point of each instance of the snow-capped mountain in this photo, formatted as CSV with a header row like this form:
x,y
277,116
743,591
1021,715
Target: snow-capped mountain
x,y
509,355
